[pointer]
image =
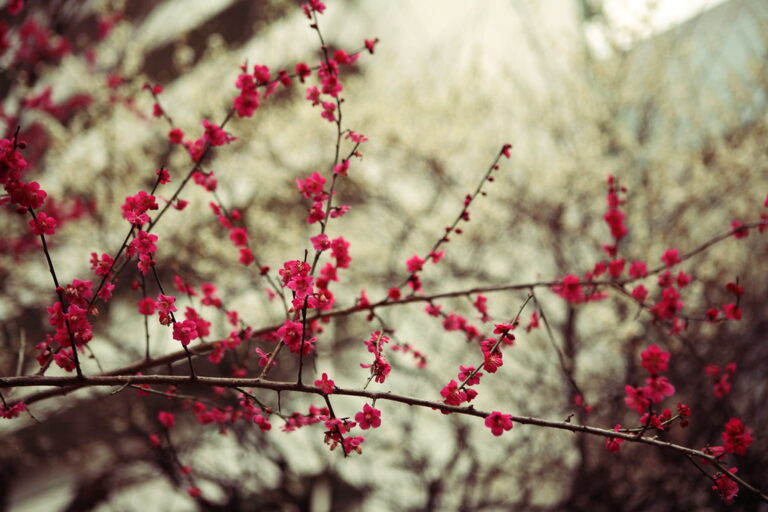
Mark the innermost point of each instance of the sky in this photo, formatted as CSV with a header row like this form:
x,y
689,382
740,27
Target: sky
x,y
650,16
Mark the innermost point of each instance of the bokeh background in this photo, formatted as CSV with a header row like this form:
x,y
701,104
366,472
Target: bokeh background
x,y
668,96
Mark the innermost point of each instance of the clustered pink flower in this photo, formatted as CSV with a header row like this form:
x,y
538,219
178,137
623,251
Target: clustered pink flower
x,y
43,224
737,437
498,422
10,412
613,444
325,384
214,135
380,367
721,383
655,361
452,394
135,207
570,289
291,333
185,331
166,419
165,305
312,187
671,257
613,216
726,487
369,417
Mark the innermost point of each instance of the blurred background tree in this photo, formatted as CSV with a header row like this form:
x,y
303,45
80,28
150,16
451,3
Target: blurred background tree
x,y
676,112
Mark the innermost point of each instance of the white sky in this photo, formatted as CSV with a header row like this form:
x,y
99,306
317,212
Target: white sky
x,y
649,16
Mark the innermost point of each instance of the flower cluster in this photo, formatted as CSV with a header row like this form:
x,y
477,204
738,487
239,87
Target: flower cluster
x,y
736,437
498,422
656,388
135,208
380,368
721,381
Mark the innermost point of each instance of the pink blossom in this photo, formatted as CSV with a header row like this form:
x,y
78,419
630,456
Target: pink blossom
x,y
655,360
498,422
166,419
312,187
570,289
737,437
636,399
369,417
320,242
185,331
352,444
325,384
214,135
613,444
43,224
415,264
671,257
246,256
657,388
147,306
342,168
239,237
726,487
638,269
370,45
452,394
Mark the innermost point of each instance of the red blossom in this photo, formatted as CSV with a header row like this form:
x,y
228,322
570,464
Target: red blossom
x,y
615,268
344,58
239,237
464,375
166,419
370,45
340,252
640,293
147,306
352,444
732,311
312,187
737,437
163,175
452,394
570,289
726,487
325,384
671,257
655,360
415,264
638,269
246,256
214,135
26,195
176,136
369,417
739,230
658,388
636,399
498,422
12,411
43,224
533,323
185,331
302,71
613,444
